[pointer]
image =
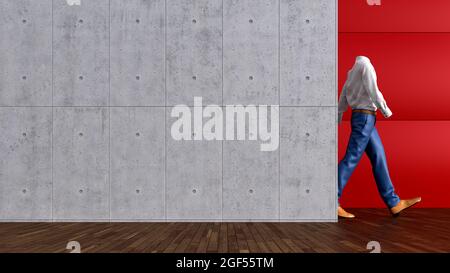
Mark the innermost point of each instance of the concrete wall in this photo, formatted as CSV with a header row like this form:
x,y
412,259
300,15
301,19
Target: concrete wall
x,y
86,93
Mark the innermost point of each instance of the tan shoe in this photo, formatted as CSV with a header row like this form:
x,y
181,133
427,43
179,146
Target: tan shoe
x,y
342,213
404,204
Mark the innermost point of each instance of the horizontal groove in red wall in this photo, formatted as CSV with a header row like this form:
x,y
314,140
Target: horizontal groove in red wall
x,y
418,154
413,70
394,16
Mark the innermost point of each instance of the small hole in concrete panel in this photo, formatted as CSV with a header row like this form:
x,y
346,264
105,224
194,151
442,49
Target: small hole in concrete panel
x,y
80,134
80,191
194,77
24,77
250,78
24,191
194,191
24,134
138,191
138,134
250,191
307,134
308,78
194,21
250,21
138,21
80,21
307,190
138,77
307,21
81,78
24,21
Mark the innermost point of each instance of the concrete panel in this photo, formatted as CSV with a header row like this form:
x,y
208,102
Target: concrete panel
x,y
194,51
25,53
137,53
162,53
250,182
137,163
308,163
308,53
80,163
81,53
25,163
250,41
193,177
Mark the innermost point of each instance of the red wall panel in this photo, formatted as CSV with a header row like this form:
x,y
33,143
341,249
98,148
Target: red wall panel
x,y
394,16
413,70
418,154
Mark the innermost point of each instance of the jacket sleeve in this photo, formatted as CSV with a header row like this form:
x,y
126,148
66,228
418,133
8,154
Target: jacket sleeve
x,y
369,78
343,103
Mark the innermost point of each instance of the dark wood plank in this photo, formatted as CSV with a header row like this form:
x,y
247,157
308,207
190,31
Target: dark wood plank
x,y
232,240
223,238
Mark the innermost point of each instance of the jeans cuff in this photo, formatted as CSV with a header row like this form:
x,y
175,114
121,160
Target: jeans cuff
x,y
393,202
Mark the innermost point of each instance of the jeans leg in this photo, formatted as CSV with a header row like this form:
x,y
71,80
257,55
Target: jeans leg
x,y
375,152
362,125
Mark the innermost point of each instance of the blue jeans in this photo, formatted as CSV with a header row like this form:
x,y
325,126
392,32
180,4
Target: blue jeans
x,y
365,138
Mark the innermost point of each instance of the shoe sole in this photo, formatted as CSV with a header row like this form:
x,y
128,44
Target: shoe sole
x,y
398,213
343,217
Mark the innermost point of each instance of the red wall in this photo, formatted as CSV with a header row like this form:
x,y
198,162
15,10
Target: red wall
x,y
408,42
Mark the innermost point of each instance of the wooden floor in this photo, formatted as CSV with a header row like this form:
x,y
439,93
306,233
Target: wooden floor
x,y
417,230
